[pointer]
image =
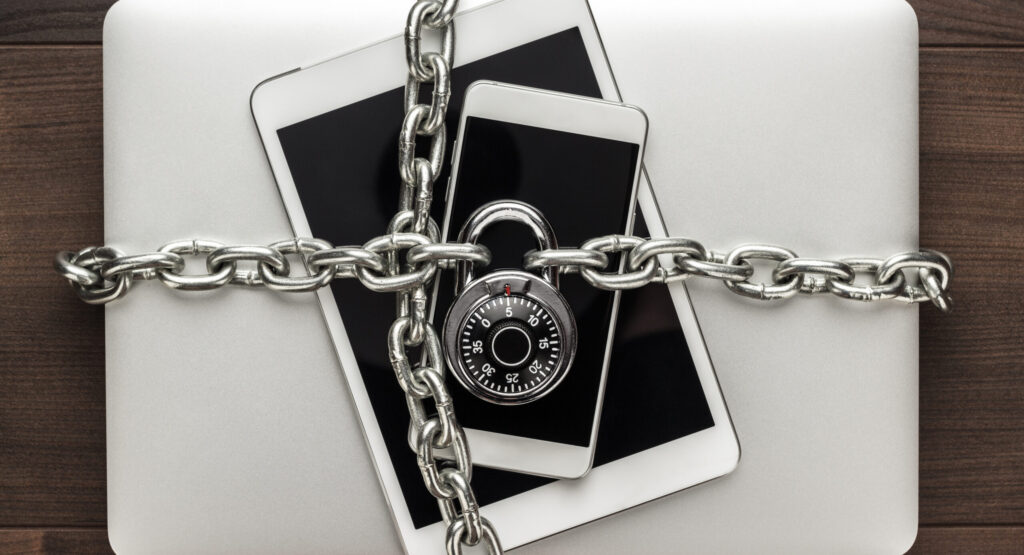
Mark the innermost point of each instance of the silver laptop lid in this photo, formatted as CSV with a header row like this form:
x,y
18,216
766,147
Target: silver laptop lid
x,y
229,425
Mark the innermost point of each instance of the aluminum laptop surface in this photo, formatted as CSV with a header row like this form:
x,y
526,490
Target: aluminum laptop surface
x,y
794,122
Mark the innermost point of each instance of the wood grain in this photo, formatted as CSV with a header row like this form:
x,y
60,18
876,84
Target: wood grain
x,y
942,22
82,541
52,452
970,540
50,21
972,206
52,467
970,22
959,540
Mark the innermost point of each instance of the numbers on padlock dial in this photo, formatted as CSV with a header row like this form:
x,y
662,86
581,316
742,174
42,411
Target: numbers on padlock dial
x,y
510,344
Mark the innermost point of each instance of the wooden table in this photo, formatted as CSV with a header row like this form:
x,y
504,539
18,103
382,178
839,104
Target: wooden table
x,y
52,452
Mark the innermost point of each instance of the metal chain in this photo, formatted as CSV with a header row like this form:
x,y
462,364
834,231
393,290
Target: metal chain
x,y
676,258
103,274
413,230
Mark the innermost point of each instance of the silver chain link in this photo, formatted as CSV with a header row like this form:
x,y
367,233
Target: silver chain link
x,y
103,274
675,259
413,230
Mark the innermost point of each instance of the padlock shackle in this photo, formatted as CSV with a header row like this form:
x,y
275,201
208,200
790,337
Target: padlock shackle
x,y
505,211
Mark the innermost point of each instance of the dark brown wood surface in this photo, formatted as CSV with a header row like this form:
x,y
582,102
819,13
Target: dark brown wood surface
x,y
52,454
972,206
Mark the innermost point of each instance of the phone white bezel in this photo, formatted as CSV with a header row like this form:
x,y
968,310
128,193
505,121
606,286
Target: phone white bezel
x,y
559,112
484,31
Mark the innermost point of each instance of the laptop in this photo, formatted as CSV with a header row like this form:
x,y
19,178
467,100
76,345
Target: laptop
x,y
230,428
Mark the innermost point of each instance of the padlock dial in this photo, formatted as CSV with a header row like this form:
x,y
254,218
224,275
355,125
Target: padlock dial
x,y
510,337
510,345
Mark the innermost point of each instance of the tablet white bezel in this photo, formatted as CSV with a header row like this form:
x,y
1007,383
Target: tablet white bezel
x,y
567,113
535,514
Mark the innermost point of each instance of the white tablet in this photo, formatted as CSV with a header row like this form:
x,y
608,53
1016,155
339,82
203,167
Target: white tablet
x,y
330,131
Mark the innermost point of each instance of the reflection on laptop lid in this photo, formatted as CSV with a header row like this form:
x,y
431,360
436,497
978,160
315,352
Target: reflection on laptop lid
x,y
228,417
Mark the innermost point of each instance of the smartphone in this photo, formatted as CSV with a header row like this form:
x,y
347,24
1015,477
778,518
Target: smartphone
x,y
577,160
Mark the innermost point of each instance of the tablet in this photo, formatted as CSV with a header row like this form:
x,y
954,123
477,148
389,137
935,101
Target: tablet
x,y
330,132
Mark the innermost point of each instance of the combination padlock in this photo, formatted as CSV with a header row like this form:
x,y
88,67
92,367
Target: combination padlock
x,y
510,336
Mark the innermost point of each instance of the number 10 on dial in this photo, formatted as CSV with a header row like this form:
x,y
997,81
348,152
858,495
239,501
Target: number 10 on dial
x,y
511,345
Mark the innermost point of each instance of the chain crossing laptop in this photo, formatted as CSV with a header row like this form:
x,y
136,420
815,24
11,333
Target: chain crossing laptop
x,y
230,428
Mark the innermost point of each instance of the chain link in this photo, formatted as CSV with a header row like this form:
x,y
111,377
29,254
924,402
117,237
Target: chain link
x,y
103,274
413,231
682,258
97,273
615,262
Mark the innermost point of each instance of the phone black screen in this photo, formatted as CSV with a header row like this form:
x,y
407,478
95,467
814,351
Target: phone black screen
x,y
582,185
345,167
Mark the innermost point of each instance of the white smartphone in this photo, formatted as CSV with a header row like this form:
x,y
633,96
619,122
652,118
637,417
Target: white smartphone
x,y
577,160
325,127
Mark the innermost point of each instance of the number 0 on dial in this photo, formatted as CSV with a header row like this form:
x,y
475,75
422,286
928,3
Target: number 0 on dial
x,y
516,335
